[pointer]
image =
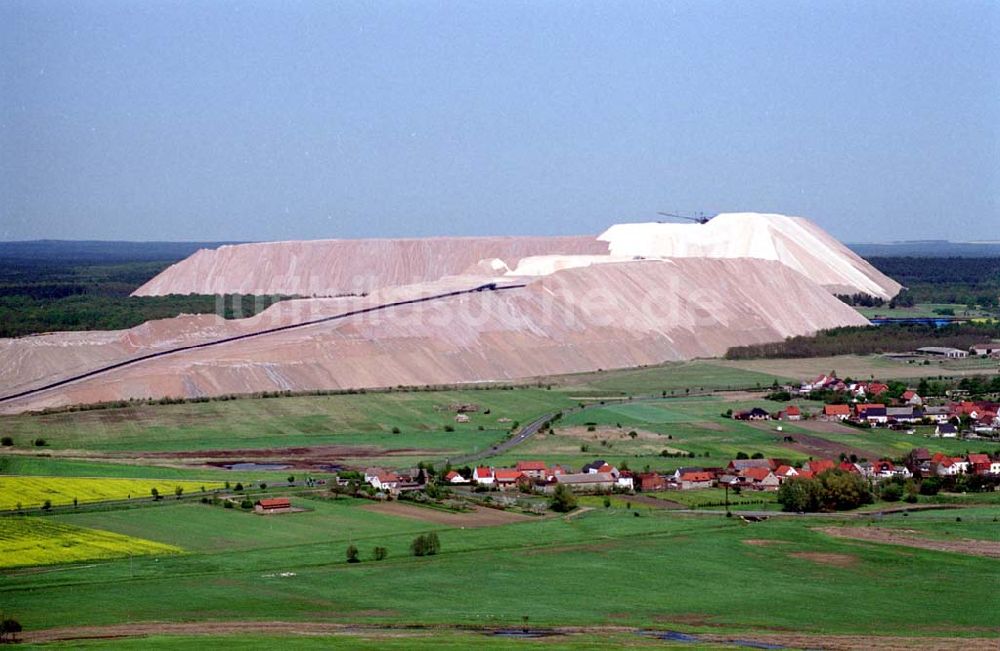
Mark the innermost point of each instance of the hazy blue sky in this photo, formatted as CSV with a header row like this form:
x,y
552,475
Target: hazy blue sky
x,y
214,120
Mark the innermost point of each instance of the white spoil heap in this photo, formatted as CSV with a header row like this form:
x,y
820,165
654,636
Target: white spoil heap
x,y
793,241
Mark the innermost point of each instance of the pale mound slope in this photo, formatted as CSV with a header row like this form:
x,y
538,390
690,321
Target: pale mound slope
x,y
601,316
333,267
794,241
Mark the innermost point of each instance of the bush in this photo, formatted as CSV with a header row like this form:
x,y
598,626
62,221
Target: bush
x,y
380,553
6,441
395,430
239,487
246,504
930,486
40,443
563,499
449,428
891,492
352,554
425,545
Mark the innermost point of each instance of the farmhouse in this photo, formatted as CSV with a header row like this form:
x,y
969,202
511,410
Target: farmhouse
x,y
382,480
946,431
589,481
984,350
937,414
742,464
507,478
871,412
753,414
651,482
760,479
817,466
273,505
483,476
943,351
980,464
691,480
533,469
791,412
903,414
454,478
836,412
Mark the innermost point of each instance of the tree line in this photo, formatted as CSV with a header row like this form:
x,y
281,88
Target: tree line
x,y
867,340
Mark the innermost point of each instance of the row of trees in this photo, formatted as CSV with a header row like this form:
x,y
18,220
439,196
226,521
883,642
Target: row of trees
x,y
833,490
866,340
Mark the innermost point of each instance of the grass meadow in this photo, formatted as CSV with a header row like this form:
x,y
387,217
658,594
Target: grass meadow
x,y
655,570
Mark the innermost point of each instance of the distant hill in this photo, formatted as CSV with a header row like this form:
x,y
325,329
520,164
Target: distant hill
x,y
97,251
928,249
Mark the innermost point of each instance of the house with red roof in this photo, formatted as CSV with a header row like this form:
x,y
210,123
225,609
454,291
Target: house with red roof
x,y
847,466
816,466
454,478
506,478
273,505
951,466
980,464
791,412
483,476
695,479
651,481
785,471
836,412
760,479
885,468
533,469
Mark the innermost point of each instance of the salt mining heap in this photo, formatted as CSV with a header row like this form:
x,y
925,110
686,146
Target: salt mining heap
x,y
338,267
456,310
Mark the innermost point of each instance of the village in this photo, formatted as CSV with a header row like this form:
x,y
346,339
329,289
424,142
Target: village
x,y
754,474
878,404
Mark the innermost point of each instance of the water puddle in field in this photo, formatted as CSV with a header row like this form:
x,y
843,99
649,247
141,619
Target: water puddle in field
x,y
255,466
522,633
677,636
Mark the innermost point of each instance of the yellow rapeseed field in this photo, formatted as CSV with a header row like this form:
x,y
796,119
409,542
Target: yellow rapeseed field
x,y
32,491
40,541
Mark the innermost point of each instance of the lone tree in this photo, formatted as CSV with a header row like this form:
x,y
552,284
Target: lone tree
x,y
380,553
178,491
563,499
352,554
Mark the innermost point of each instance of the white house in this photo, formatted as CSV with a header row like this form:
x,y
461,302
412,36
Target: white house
x,y
946,431
483,476
951,467
625,481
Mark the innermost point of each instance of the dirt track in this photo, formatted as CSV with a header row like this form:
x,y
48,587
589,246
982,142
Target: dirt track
x,y
988,548
281,628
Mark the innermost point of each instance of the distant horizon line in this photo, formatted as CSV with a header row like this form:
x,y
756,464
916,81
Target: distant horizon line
x,y
427,237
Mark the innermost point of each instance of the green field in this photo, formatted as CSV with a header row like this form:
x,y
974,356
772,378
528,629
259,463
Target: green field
x,y
655,570
615,569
